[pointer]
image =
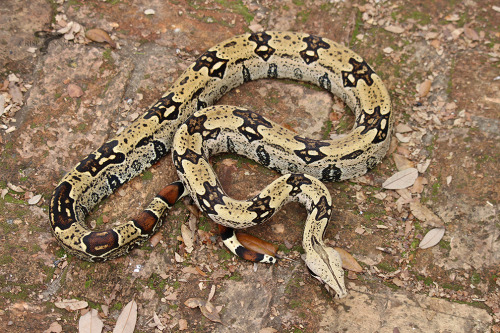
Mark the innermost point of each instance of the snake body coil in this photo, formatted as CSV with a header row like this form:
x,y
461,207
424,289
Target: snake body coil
x,y
282,55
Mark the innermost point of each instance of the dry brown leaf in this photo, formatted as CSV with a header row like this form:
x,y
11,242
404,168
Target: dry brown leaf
x,y
13,78
194,210
100,36
394,29
471,33
71,304
16,94
192,223
402,163
255,27
398,282
183,324
401,179
256,244
199,271
432,238
2,106
171,297
90,323
210,312
365,179
178,257
403,150
229,162
436,44
105,310
158,322
388,50
403,128
348,261
424,88
190,270
278,228
492,100
404,193
207,309
418,186
408,227
422,167
10,129
402,138
212,293
15,188
360,197
70,30
204,236
456,33
127,319
187,237
35,199
452,17
359,230
423,213
155,239
74,91
431,34
194,302
55,327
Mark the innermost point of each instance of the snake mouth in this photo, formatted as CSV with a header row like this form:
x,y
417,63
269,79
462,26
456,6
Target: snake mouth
x,y
334,293
342,294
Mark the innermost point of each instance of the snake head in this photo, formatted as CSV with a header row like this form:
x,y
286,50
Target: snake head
x,y
324,263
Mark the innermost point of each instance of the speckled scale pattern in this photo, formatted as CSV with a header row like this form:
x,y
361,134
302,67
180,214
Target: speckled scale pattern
x,y
206,133
243,58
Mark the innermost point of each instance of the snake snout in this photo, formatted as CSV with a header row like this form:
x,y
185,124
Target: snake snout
x,y
343,293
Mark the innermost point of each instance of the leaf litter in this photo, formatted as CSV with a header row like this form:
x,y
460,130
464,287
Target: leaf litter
x,y
427,121
206,307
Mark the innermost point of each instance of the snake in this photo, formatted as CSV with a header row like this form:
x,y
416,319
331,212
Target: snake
x,y
186,122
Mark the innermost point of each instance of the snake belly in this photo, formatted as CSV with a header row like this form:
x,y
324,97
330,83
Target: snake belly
x,y
248,57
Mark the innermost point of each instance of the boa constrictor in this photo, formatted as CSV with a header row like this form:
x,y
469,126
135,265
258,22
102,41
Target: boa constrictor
x,y
283,55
